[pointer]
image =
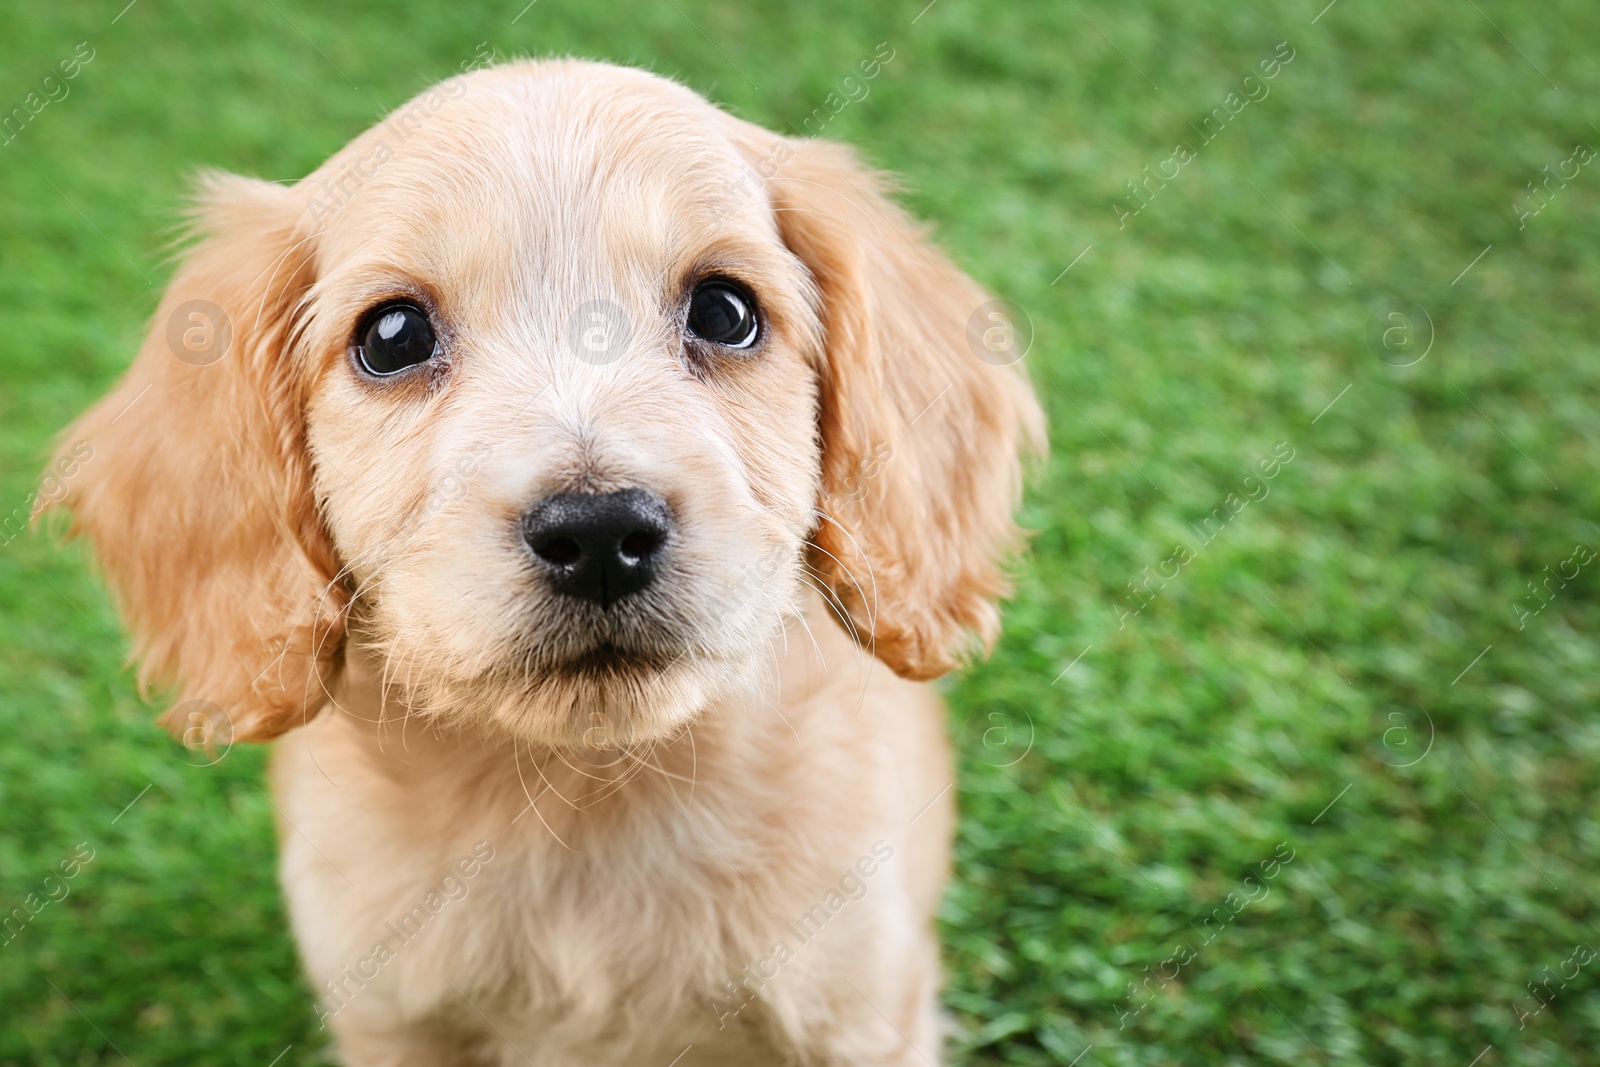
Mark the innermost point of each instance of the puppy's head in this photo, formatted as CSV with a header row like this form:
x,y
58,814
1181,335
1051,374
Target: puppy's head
x,y
553,391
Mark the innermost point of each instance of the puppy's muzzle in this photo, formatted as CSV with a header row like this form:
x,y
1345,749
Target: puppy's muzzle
x,y
599,547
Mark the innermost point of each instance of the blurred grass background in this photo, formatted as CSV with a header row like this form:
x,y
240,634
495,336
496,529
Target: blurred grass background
x,y
1308,678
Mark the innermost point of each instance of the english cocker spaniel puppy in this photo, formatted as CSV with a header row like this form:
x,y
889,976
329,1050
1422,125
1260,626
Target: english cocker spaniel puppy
x,y
578,482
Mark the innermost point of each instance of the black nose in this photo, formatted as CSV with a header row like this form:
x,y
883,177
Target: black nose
x,y
599,547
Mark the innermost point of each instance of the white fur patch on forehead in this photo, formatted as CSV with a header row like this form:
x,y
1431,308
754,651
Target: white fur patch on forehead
x,y
545,150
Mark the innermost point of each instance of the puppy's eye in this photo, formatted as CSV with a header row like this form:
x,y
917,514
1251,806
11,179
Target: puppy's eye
x,y
723,313
394,337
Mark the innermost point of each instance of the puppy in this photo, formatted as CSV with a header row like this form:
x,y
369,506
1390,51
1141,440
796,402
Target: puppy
x,y
578,481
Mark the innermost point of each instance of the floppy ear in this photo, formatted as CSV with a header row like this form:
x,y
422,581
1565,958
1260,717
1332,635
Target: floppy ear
x,y
197,495
923,421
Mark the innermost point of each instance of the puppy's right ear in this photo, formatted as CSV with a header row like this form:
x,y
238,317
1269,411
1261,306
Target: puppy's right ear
x,y
197,492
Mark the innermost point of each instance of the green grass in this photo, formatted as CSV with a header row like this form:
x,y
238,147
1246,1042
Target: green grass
x,y
1311,651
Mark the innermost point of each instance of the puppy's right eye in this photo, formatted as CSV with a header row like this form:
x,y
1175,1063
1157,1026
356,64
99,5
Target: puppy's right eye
x,y
393,337
724,314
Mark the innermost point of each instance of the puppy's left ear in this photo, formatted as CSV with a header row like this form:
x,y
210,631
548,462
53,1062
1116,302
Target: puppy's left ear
x,y
925,417
197,490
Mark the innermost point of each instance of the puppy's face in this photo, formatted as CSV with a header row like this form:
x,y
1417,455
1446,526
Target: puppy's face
x,y
563,419
553,392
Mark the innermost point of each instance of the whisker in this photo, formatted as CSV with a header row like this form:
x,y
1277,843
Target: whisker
x,y
533,801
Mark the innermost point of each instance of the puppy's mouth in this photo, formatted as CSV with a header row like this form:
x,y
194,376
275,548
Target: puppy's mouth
x,y
635,640
601,686
607,660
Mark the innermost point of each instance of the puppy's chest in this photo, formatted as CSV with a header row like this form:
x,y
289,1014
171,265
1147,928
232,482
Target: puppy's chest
x,y
556,948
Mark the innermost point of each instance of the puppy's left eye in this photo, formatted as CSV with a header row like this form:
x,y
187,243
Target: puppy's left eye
x,y
393,337
724,314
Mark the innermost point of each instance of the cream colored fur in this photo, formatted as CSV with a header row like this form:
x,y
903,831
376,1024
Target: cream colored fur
x,y
727,847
